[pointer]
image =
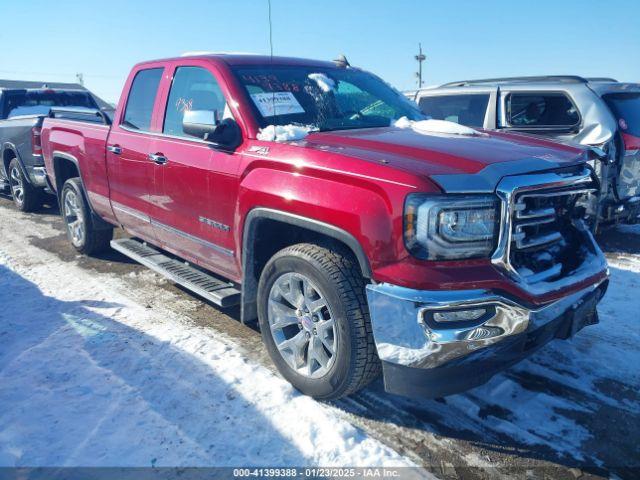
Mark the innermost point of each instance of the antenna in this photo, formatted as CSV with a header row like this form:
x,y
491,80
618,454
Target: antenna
x,y
273,93
270,32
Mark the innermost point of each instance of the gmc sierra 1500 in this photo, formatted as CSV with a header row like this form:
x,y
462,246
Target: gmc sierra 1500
x,y
359,234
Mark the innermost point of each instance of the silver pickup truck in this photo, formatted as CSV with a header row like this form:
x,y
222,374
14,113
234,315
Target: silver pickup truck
x,y
21,113
596,112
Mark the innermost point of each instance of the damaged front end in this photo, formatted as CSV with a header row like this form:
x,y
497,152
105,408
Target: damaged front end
x,y
617,198
436,343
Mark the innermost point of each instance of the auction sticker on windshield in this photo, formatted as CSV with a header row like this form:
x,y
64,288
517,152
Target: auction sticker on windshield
x,y
276,103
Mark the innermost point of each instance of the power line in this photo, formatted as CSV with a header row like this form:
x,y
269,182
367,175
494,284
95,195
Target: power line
x,y
421,57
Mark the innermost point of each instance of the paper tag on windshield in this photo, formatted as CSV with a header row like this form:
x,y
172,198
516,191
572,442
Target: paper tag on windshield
x,y
276,103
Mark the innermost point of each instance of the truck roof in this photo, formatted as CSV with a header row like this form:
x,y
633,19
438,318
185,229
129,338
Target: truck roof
x,y
531,79
249,59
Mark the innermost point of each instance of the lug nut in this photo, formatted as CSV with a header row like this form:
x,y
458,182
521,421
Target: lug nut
x,y
315,332
308,335
300,326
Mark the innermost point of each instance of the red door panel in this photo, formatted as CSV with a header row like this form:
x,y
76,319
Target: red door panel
x,y
194,191
193,204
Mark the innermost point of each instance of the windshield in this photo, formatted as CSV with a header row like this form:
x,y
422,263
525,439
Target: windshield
x,y
626,109
40,102
323,98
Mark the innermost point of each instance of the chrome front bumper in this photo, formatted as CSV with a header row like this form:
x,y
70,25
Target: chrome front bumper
x,y
406,334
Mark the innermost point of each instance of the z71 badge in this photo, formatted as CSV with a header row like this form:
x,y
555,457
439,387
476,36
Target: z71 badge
x,y
259,150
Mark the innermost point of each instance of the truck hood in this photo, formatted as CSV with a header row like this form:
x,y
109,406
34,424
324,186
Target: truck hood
x,y
486,156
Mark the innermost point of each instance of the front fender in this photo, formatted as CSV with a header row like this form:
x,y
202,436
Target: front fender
x,y
367,213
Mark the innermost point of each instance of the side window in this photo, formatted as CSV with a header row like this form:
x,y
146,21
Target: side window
x,y
193,88
142,96
467,109
532,110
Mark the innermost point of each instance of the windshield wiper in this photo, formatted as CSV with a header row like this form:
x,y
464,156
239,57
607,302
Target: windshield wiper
x,y
351,127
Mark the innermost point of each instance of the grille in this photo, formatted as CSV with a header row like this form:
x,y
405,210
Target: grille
x,y
546,239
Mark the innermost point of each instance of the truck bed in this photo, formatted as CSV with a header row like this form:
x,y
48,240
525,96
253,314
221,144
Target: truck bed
x,y
80,137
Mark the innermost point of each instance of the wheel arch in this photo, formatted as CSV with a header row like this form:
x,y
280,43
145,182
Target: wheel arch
x,y
259,243
10,152
66,166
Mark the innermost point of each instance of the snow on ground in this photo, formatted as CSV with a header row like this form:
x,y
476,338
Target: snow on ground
x,y
434,126
283,133
89,377
555,398
92,371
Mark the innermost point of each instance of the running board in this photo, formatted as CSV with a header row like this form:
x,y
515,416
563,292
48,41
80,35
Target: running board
x,y
213,289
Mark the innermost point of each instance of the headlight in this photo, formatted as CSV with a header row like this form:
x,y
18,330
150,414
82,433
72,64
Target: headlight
x,y
446,227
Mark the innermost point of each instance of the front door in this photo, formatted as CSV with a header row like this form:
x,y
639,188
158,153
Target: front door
x,y
128,147
195,184
473,107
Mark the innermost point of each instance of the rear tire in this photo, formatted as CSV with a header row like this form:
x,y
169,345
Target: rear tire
x,y
26,197
78,220
293,286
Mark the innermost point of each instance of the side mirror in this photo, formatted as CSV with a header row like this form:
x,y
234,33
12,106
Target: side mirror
x,y
204,124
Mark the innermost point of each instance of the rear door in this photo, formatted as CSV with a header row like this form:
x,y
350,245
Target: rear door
x,y
473,108
128,147
195,184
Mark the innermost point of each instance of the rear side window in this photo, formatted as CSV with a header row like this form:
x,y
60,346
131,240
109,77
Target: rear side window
x,y
142,97
39,102
626,109
193,88
468,109
540,110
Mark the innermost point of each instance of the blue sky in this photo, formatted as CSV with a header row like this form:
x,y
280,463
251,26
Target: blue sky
x,y
53,40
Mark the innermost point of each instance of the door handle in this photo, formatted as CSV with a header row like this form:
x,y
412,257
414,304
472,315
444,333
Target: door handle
x,y
158,158
114,149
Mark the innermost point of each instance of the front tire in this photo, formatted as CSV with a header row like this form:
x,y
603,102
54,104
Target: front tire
x,y
76,213
26,197
315,321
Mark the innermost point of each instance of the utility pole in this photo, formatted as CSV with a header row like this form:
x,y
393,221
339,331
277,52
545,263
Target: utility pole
x,y
421,57
80,78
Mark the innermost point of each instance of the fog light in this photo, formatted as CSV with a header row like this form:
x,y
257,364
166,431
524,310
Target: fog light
x,y
459,315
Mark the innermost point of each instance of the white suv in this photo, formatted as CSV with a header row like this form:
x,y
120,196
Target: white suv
x,y
596,112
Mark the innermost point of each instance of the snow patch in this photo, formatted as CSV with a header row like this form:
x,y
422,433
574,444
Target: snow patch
x,y
434,126
283,133
87,372
325,83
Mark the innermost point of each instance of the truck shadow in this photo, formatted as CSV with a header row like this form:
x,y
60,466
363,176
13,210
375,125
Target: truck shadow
x,y
574,403
77,387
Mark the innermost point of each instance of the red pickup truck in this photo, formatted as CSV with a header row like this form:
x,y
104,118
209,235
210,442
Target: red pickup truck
x,y
361,235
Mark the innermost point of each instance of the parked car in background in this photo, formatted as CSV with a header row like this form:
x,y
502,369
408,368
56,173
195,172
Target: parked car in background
x,y
359,234
21,112
597,112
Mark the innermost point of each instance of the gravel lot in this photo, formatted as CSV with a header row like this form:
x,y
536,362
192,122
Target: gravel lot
x,y
570,411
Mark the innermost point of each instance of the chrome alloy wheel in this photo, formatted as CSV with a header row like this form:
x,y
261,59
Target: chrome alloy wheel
x,y
302,325
74,218
17,185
